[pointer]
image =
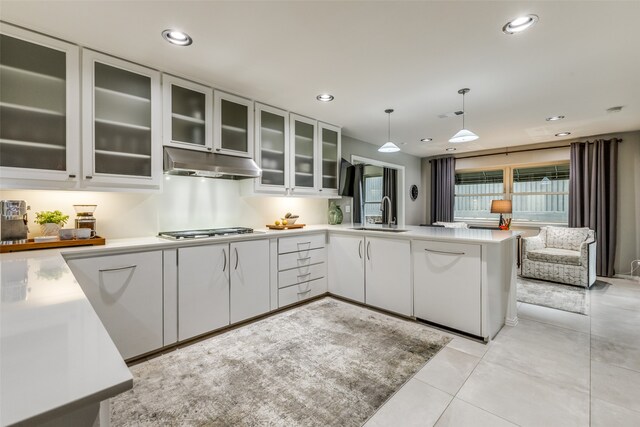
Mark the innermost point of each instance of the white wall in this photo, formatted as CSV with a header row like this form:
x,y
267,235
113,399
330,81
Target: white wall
x,y
414,210
184,203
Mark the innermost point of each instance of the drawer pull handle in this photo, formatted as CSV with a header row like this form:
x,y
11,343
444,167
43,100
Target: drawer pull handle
x,y
300,276
224,268
304,292
127,267
444,252
369,251
237,258
304,243
360,249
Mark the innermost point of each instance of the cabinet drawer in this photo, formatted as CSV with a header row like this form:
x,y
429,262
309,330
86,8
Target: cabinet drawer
x,y
300,243
302,291
301,274
301,259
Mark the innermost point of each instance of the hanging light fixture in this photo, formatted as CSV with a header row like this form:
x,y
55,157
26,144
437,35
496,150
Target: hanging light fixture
x,y
389,147
463,135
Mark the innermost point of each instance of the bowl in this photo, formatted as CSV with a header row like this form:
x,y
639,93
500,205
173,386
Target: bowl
x,y
290,220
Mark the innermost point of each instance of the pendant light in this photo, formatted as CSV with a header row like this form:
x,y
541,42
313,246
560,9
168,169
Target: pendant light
x,y
463,135
389,147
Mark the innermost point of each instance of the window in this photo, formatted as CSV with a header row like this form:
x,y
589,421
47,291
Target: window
x,y
372,199
474,192
539,193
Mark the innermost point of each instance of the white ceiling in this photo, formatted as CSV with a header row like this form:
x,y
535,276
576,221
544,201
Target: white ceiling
x,y
580,59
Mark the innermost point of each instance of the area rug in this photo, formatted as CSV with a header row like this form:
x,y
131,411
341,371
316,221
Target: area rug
x,y
555,295
327,363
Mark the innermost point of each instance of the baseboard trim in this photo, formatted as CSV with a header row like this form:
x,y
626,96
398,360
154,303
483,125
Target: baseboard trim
x,y
511,322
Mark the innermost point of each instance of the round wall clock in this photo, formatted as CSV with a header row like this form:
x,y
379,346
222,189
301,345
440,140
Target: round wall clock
x,y
413,192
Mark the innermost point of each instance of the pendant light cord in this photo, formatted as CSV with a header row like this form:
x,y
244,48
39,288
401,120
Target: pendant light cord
x,y
463,111
389,128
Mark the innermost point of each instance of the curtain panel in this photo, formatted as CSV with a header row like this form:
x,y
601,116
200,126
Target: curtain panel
x,y
358,176
593,196
443,180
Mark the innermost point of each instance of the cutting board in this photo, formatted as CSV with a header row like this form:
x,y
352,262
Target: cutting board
x,y
30,244
284,227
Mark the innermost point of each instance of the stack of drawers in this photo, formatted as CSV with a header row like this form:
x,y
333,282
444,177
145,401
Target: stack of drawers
x,y
302,268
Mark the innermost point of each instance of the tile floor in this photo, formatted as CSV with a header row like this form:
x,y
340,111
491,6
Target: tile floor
x,y
553,369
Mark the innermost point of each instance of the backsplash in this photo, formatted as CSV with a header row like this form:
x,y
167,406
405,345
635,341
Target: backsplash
x,y
184,203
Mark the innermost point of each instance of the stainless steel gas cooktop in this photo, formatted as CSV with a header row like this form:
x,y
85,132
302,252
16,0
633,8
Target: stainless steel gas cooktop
x,y
199,234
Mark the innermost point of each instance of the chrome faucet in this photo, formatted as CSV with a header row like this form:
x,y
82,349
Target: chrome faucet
x,y
390,222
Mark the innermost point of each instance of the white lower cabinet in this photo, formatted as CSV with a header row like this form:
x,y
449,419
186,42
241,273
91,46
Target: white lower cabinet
x,y
249,279
388,274
302,268
346,266
126,293
203,289
447,284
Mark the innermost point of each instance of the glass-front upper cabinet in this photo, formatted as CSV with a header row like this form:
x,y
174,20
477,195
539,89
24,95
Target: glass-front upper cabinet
x,y
39,107
303,156
188,116
272,149
233,125
121,125
330,147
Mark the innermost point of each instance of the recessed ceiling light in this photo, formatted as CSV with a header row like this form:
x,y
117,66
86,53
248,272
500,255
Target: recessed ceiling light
x,y
519,24
563,134
554,118
426,139
177,37
325,97
450,149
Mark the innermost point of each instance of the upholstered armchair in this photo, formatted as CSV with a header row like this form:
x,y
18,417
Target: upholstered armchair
x,y
559,254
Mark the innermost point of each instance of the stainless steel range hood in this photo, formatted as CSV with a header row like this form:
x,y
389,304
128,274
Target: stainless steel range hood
x,y
178,161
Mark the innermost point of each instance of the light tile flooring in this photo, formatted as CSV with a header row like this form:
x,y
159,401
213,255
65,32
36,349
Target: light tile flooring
x,y
553,369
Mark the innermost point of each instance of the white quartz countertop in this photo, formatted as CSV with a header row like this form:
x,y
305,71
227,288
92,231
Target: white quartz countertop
x,y
55,354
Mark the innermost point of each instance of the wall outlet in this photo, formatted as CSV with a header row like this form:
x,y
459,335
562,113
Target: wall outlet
x,y
347,209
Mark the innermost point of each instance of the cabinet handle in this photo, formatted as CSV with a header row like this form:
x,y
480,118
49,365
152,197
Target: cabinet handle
x,y
88,177
300,276
303,243
444,252
237,258
369,251
127,267
360,249
224,268
304,292
72,175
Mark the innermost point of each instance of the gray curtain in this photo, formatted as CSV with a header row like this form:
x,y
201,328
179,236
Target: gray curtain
x,y
593,196
389,189
443,180
358,176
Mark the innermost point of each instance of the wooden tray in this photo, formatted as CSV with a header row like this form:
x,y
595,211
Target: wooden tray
x,y
284,227
31,245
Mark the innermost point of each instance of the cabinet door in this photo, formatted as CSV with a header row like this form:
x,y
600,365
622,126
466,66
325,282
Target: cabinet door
x,y
330,148
304,155
126,293
203,289
187,113
346,266
249,279
272,149
447,284
388,274
121,127
39,107
233,125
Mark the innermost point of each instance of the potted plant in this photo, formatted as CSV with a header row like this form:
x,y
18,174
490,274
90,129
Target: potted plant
x,y
51,222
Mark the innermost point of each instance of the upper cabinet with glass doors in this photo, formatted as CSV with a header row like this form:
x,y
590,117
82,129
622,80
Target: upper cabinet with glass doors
x,y
188,114
303,155
330,148
233,125
39,107
121,124
272,149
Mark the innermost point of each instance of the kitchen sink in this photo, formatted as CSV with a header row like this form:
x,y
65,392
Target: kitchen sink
x,y
392,230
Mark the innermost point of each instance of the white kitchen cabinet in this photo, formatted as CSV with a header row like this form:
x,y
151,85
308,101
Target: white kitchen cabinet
x,y
302,268
249,279
303,156
187,114
203,289
126,292
330,138
122,143
447,284
232,125
272,149
388,274
346,266
39,109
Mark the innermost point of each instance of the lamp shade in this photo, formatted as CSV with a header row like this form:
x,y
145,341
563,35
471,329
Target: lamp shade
x,y
463,135
389,147
501,206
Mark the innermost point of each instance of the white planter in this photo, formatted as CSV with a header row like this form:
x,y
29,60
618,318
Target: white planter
x,y
49,229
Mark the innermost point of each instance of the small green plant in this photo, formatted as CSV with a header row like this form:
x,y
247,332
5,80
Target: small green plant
x,y
54,217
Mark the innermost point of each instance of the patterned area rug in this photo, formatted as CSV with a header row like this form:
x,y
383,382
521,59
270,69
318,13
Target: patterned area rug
x,y
555,295
327,363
